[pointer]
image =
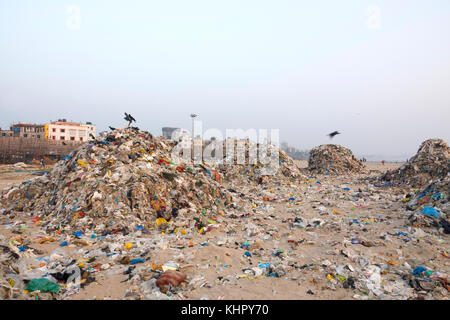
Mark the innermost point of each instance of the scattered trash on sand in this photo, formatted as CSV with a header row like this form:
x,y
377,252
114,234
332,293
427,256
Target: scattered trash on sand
x,y
118,219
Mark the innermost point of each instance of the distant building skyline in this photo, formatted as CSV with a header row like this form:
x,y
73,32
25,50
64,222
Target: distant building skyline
x,y
60,130
168,131
27,130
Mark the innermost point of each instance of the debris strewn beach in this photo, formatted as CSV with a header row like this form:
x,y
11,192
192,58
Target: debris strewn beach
x,y
117,219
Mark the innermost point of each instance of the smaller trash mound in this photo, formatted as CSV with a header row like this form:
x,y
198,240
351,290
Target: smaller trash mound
x,y
333,159
279,167
431,162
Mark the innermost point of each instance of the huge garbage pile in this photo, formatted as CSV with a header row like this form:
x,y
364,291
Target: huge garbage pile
x,y
333,159
431,162
128,176
429,171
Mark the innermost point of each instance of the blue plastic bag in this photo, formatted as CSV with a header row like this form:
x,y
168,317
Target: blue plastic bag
x,y
429,211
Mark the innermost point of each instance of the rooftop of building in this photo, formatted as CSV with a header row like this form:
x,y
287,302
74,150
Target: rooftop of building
x,y
24,124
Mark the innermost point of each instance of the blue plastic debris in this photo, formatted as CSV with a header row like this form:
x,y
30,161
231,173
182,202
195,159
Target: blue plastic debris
x,y
419,270
45,259
429,211
406,239
63,244
134,261
78,234
140,228
437,196
245,245
384,185
247,254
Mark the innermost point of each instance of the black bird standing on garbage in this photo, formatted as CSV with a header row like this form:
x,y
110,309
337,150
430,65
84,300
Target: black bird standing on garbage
x,y
129,118
331,135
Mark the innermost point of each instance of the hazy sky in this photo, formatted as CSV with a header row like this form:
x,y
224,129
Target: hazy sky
x,y
382,78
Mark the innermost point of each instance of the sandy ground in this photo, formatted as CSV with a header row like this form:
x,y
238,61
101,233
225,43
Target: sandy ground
x,y
370,165
10,175
308,253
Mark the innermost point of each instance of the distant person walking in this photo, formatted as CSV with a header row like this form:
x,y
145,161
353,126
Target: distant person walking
x,y
382,162
43,162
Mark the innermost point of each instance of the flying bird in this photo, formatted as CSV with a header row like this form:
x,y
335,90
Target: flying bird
x,y
92,136
331,135
112,128
129,118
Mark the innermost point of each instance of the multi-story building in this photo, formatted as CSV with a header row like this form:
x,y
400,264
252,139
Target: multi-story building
x,y
91,128
6,133
168,132
28,130
62,130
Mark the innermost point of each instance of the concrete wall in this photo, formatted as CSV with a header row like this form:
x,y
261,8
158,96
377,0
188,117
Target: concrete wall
x,y
16,149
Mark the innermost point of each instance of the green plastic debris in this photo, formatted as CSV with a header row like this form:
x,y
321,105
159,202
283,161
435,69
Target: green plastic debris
x,y
169,176
342,278
42,285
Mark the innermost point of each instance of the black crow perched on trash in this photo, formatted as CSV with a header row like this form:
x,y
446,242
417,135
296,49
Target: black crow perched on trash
x,y
331,135
129,118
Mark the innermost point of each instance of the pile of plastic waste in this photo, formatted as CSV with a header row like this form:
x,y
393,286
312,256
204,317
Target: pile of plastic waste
x,y
430,205
431,162
128,176
333,159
